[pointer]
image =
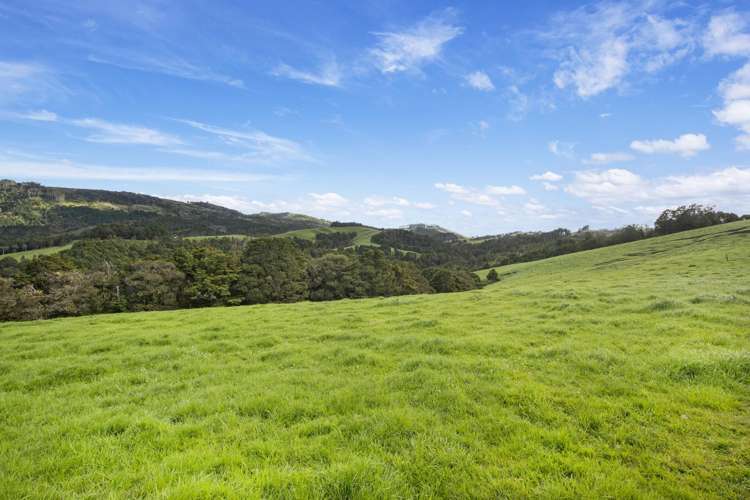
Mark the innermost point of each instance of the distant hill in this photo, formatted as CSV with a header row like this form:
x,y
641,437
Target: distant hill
x,y
35,216
433,230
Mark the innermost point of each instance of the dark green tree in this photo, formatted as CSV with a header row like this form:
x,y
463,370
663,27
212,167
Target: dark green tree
x,y
209,275
492,276
272,270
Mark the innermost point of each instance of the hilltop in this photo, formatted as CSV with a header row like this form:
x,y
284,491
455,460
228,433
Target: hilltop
x,y
616,372
36,216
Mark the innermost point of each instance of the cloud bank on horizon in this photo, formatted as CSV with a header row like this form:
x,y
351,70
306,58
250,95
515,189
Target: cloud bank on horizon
x,y
475,117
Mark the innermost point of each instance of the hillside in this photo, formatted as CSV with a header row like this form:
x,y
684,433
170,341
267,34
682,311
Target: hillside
x,y
617,372
33,216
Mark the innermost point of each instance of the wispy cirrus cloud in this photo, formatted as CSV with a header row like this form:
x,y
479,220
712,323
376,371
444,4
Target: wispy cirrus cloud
x,y
562,148
170,65
260,146
27,82
599,45
104,132
36,169
116,133
408,49
328,75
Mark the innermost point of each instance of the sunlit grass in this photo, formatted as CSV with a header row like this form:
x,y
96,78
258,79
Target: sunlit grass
x,y
620,372
28,254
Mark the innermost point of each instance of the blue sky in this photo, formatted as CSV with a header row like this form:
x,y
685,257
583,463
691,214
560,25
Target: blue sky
x,y
471,115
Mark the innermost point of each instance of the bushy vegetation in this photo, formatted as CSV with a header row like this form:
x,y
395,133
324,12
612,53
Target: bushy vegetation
x,y
114,275
689,217
621,372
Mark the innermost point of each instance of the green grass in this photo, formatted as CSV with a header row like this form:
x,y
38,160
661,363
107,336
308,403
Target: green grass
x,y
622,372
28,254
235,236
364,234
363,238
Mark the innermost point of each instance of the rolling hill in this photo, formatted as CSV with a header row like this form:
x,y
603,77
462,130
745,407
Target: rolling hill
x,y
617,372
35,216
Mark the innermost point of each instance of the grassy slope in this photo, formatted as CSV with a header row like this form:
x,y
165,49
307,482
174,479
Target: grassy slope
x,y
364,234
363,238
28,254
620,372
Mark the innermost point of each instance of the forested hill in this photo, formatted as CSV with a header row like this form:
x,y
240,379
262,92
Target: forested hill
x,y
36,216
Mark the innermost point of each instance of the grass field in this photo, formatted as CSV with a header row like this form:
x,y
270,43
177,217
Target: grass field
x,y
28,254
622,372
363,238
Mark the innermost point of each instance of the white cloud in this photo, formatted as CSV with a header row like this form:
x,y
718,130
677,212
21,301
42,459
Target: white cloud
x,y
117,133
480,80
381,201
407,50
276,206
466,213
605,158
730,181
170,65
424,205
479,197
686,145
21,82
535,208
602,186
726,35
233,202
65,169
260,146
107,132
41,115
329,200
548,186
735,90
386,213
467,195
618,185
605,115
449,187
482,126
506,190
561,148
592,72
329,74
546,176
599,45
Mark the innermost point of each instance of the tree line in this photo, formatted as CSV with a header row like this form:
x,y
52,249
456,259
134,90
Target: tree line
x,y
115,275
138,268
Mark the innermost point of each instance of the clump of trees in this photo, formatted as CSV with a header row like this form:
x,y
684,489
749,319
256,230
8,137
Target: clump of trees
x,y
115,275
691,217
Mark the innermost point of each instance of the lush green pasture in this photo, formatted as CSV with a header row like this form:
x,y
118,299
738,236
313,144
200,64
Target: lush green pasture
x,y
619,372
28,254
364,234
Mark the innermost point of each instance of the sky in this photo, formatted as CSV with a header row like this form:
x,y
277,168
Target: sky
x,y
472,115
